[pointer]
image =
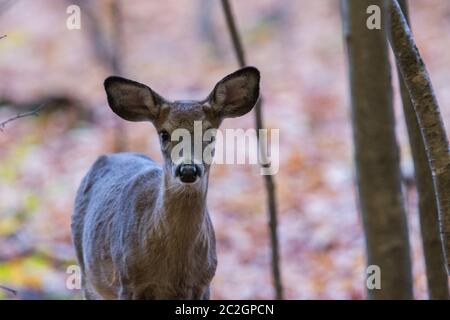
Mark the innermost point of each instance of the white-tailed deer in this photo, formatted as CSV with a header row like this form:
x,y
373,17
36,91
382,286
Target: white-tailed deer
x,y
140,230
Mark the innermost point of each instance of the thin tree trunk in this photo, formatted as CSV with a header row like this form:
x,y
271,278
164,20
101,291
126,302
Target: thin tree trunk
x,y
268,179
427,111
428,210
107,50
120,139
376,152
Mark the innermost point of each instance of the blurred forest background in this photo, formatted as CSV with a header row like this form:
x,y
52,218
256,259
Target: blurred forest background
x,y
181,48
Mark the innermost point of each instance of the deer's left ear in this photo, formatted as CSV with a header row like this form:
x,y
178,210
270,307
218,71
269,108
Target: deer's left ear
x,y
236,94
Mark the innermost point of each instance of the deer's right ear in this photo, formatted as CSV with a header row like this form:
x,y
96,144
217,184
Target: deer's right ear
x,y
132,100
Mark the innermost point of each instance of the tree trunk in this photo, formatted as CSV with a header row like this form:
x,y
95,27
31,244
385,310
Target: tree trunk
x,y
428,211
376,152
120,138
427,111
268,179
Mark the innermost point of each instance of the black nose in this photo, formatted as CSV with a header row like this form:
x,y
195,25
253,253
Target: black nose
x,y
188,173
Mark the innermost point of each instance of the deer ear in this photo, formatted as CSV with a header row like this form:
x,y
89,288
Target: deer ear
x,y
132,100
236,94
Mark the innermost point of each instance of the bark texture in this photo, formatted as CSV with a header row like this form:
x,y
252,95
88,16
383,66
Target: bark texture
x,y
428,210
428,114
376,152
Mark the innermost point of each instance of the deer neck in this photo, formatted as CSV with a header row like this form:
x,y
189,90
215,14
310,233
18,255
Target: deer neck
x,y
183,211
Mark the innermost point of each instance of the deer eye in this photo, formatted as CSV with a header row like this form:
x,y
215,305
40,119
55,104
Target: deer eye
x,y
165,136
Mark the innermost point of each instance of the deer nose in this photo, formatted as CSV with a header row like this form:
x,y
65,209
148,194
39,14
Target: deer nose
x,y
188,173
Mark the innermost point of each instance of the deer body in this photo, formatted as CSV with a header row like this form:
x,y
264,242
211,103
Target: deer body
x,y
143,231
145,218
